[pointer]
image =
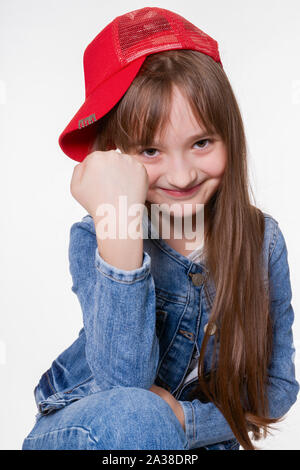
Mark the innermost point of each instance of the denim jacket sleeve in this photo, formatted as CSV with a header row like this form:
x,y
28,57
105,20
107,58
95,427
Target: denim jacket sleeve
x,y
204,423
119,315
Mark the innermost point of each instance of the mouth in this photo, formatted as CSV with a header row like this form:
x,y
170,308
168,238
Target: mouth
x,y
182,193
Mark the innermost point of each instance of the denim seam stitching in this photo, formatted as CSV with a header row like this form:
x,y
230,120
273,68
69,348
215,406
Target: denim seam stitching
x,y
169,300
49,382
69,390
34,436
194,424
197,329
274,241
162,293
175,334
122,281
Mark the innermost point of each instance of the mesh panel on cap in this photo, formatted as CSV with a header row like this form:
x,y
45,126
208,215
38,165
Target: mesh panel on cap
x,y
144,27
200,38
140,31
143,31
191,27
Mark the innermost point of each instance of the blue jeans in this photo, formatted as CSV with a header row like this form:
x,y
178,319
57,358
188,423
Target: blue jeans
x,y
120,418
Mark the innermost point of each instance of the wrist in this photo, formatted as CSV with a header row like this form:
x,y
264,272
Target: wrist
x,y
122,248
118,227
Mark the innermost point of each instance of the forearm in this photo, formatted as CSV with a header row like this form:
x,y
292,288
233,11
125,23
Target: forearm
x,y
119,313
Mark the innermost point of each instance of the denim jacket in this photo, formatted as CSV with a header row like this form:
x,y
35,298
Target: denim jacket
x,y
141,326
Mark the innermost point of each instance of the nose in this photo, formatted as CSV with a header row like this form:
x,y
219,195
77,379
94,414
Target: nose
x,y
181,174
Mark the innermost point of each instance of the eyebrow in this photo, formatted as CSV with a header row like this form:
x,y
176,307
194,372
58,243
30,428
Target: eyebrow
x,y
189,139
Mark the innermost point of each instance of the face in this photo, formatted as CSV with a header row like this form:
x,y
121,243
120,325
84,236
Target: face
x,y
187,157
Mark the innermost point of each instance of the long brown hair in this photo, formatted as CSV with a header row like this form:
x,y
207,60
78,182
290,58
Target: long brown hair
x,y
237,381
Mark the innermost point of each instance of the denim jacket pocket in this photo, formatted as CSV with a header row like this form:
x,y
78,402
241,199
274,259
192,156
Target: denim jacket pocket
x,y
61,399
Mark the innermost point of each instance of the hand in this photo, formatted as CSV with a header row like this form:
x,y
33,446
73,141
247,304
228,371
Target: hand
x,y
172,402
103,176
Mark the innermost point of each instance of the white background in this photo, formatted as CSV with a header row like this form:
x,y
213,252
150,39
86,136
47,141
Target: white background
x,y
41,88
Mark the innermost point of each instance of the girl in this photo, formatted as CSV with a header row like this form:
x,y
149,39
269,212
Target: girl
x,y
181,347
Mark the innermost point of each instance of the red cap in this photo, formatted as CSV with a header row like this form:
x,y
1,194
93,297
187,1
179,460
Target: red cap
x,y
114,57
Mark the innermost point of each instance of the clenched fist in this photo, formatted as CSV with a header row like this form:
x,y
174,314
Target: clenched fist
x,y
103,176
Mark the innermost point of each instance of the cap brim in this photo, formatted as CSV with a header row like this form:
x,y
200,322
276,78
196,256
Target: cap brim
x,y
77,137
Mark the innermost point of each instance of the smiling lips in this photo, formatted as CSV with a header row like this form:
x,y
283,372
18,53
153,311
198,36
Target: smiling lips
x,y
182,193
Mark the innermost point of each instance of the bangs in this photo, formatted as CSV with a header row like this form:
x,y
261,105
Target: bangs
x,y
144,118
143,113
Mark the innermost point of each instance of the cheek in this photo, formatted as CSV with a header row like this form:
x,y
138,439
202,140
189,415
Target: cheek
x,y
215,167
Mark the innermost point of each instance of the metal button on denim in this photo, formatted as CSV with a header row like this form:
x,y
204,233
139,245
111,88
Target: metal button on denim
x,y
211,328
197,278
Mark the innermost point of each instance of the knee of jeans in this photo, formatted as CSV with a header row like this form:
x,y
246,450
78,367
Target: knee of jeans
x,y
136,402
140,418
119,418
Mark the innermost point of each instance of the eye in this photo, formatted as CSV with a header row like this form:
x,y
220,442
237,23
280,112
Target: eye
x,y
141,152
203,140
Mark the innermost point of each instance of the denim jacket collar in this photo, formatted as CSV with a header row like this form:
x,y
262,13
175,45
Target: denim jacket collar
x,y
150,232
